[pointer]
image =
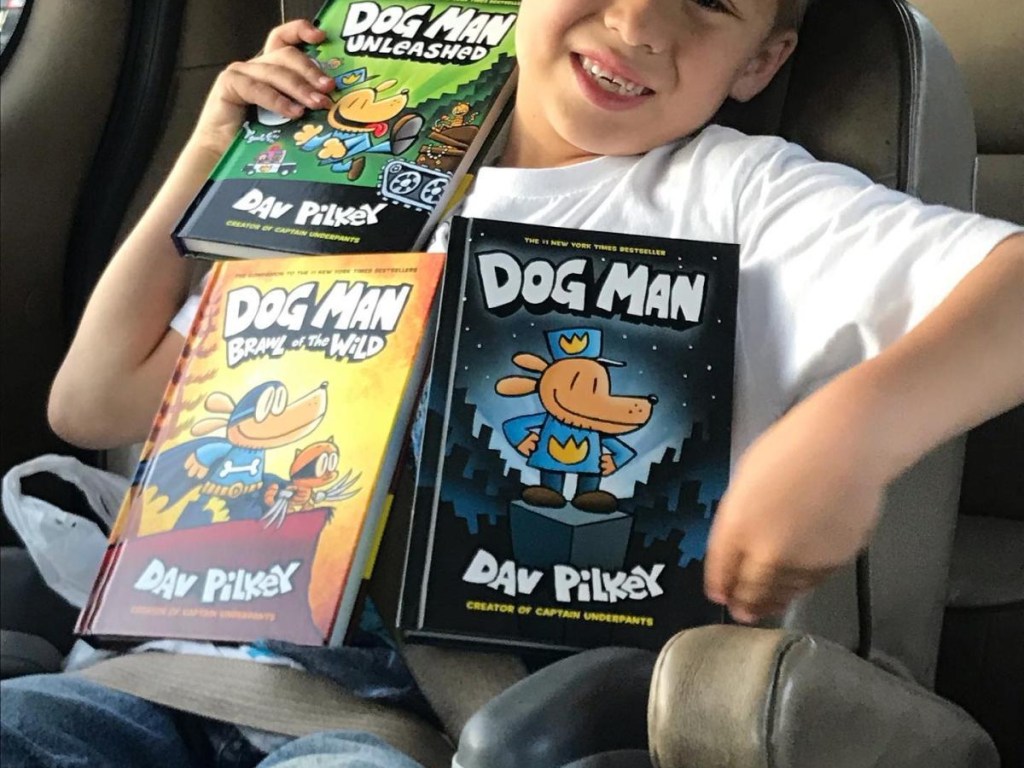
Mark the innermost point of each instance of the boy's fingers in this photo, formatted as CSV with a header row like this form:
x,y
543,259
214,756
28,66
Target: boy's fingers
x,y
760,603
295,59
751,614
293,33
248,90
289,84
721,568
751,602
764,589
770,574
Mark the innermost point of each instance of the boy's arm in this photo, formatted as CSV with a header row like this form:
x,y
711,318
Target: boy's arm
x,y
111,381
806,495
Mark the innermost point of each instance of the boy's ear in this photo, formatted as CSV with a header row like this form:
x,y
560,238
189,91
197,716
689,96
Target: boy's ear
x,y
760,70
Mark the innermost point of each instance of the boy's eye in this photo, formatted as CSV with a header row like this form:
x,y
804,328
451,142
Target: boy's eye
x,y
713,5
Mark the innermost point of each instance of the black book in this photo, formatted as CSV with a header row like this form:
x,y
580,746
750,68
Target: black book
x,y
577,439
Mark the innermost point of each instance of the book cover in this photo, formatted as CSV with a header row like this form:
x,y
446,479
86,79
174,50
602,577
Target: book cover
x,y
260,491
577,439
420,86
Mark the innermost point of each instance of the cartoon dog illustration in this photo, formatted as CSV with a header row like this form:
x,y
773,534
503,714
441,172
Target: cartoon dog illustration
x,y
576,432
313,467
358,117
231,467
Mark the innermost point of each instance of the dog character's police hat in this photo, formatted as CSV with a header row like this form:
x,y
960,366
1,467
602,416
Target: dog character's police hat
x,y
352,78
578,342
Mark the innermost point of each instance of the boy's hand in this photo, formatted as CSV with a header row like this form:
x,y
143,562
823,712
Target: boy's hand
x,y
281,78
803,502
806,495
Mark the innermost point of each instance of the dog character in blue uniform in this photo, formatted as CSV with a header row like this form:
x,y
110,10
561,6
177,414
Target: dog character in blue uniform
x,y
361,121
577,432
231,468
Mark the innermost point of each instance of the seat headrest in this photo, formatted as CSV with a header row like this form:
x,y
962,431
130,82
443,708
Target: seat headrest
x,y
871,85
986,38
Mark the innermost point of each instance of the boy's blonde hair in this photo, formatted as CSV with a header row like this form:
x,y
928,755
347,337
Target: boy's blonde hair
x,y
790,14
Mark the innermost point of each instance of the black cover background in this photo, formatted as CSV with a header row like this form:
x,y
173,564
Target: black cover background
x,y
397,229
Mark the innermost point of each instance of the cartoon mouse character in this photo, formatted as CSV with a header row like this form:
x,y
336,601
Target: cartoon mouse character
x,y
577,431
231,467
359,117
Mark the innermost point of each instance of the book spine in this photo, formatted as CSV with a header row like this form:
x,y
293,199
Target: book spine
x,y
377,510
95,602
477,153
128,517
426,501
184,226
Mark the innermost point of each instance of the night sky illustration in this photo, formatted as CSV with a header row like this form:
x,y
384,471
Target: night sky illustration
x,y
690,371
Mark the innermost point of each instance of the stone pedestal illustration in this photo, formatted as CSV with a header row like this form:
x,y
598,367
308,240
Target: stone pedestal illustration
x,y
545,536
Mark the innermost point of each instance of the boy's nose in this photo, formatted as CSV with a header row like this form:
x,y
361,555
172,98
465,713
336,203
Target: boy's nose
x,y
640,23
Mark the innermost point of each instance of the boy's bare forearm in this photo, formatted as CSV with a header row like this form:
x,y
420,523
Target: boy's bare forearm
x,y
806,495
962,365
147,280
110,383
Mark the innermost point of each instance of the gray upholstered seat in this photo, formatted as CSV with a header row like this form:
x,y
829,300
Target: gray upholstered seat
x,y
986,585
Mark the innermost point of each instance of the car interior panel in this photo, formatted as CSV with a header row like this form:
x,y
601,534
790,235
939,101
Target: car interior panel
x,y
39,197
979,663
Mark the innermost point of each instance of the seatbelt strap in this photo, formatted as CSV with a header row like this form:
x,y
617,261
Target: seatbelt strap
x,y
268,697
458,682
455,682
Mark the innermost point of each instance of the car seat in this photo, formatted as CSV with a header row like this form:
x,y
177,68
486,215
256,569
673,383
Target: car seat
x,y
845,680
139,92
986,585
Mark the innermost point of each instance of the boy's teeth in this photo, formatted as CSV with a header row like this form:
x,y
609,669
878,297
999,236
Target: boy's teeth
x,y
609,81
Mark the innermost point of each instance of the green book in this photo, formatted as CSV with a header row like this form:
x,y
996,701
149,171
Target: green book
x,y
420,89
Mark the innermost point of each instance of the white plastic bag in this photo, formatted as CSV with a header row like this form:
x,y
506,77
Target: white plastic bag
x,y
67,548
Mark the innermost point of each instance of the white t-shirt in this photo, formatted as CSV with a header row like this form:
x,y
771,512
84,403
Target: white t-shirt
x,y
833,267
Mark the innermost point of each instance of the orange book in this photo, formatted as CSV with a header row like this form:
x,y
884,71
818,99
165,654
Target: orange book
x,y
263,484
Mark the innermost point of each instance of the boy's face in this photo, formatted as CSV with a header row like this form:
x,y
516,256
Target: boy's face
x,y
663,68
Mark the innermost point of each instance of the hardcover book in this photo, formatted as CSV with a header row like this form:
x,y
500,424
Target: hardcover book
x,y
577,439
263,485
419,89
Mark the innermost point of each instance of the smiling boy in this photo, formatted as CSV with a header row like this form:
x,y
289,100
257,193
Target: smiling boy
x,y
601,78
871,327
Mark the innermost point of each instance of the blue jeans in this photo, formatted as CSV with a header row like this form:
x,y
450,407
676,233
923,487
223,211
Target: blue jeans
x,y
63,721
